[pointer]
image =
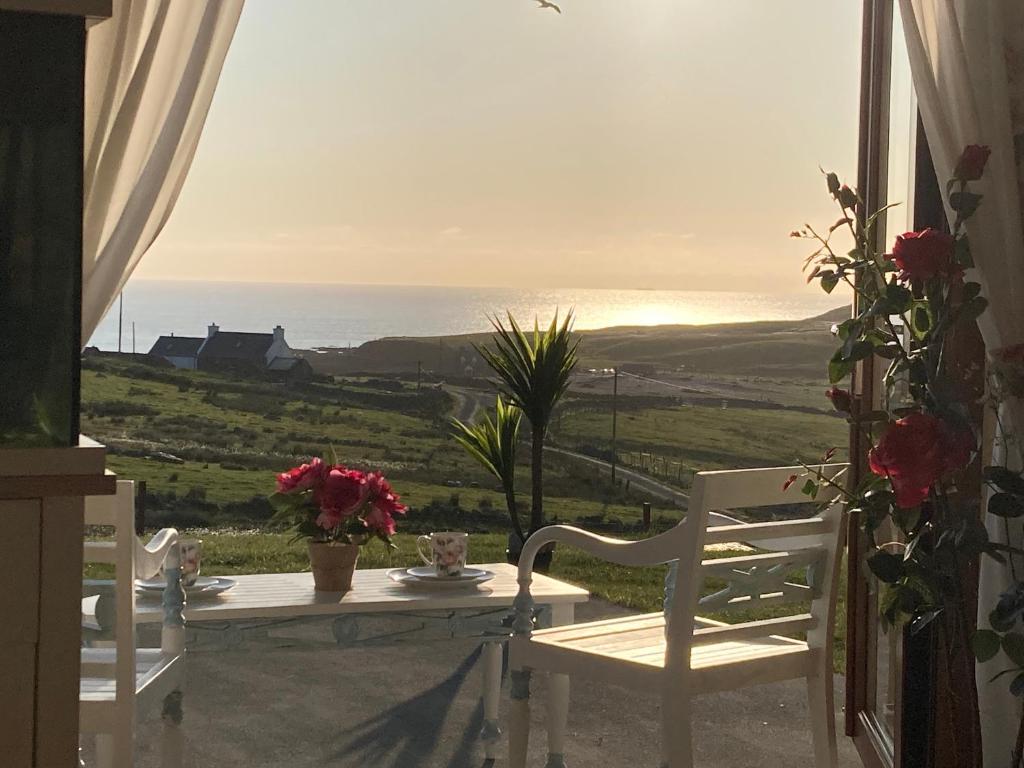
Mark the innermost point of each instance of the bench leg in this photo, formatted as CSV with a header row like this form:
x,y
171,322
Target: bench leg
x,y
172,740
558,697
490,734
104,745
823,718
519,718
676,731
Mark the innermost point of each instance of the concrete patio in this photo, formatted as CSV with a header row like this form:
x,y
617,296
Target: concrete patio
x,y
415,704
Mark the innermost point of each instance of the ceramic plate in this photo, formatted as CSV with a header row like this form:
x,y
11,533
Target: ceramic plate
x,y
402,576
428,573
204,586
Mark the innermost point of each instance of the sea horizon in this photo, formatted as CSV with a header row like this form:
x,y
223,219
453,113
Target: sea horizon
x,y
343,314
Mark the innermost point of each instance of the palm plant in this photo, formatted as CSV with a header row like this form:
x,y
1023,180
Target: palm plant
x,y
493,444
534,371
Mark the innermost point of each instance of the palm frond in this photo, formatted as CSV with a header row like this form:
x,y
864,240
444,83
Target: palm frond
x,y
493,444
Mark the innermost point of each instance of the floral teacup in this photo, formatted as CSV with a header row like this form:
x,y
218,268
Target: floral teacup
x,y
447,552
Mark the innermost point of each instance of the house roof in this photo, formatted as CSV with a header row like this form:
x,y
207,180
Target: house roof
x,y
232,345
177,346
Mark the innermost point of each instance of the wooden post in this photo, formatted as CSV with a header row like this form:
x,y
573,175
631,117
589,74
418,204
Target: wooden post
x,y
41,530
615,411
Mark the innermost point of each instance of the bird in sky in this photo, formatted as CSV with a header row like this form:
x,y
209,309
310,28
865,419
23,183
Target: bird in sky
x,y
545,4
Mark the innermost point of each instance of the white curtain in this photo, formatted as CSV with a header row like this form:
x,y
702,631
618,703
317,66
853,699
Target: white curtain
x,y
150,74
967,59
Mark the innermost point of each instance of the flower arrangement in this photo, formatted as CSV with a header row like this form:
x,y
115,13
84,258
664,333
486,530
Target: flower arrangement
x,y
913,299
330,503
923,534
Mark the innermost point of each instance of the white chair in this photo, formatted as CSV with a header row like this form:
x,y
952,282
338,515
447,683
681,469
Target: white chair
x,y
118,678
687,655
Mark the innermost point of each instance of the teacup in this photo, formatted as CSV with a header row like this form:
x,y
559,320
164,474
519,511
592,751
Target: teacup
x,y
447,551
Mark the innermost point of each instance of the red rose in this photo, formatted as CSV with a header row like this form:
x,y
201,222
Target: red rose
x,y
381,496
915,452
924,255
301,478
841,399
971,164
380,521
342,493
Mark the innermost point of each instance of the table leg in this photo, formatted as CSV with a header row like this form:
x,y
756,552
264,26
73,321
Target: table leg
x,y
558,697
490,667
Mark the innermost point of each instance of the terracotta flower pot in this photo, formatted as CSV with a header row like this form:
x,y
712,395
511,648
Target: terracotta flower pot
x,y
333,565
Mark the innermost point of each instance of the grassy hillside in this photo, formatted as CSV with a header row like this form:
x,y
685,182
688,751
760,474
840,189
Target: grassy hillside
x,y
703,437
208,446
779,348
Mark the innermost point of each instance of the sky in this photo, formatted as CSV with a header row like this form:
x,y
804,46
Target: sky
x,y
621,144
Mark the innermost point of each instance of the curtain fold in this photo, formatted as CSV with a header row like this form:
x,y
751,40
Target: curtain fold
x,y
151,72
967,60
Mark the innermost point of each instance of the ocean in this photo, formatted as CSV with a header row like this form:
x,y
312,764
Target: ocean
x,y
342,315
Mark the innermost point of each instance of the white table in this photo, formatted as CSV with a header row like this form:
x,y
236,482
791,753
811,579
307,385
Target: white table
x,y
291,595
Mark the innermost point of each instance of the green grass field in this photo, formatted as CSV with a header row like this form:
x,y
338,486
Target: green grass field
x,y
703,437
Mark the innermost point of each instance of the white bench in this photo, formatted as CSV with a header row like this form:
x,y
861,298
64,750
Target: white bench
x,y
686,655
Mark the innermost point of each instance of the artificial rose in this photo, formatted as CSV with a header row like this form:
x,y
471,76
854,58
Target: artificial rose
x,y
329,519
342,493
971,164
924,255
379,521
301,478
915,452
841,399
381,496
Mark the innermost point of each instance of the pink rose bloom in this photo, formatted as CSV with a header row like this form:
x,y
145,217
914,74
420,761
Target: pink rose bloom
x,y
301,478
343,491
380,521
329,519
381,495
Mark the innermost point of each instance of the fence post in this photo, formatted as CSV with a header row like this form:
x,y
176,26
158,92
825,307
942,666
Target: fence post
x,y
647,515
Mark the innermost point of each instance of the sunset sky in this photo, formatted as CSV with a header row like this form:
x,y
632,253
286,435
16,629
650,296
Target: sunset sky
x,y
623,143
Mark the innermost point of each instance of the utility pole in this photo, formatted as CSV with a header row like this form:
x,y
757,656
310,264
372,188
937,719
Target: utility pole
x,y
419,373
615,413
133,338
120,321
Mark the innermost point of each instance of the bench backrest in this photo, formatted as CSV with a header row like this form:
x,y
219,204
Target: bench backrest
x,y
814,543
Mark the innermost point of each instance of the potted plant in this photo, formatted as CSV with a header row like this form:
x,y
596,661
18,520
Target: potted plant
x,y
337,510
493,444
534,372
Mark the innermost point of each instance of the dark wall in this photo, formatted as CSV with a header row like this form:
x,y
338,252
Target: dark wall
x,y
42,61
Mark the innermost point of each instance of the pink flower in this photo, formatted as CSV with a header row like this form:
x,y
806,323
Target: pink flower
x,y
343,491
329,519
301,478
380,521
381,496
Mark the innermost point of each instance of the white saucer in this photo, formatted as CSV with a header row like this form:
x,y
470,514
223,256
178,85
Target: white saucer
x,y
404,577
429,574
204,586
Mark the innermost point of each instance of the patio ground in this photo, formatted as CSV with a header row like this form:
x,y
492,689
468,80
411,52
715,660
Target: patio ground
x,y
415,704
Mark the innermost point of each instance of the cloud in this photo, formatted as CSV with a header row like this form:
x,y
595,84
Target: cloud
x,y
452,233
